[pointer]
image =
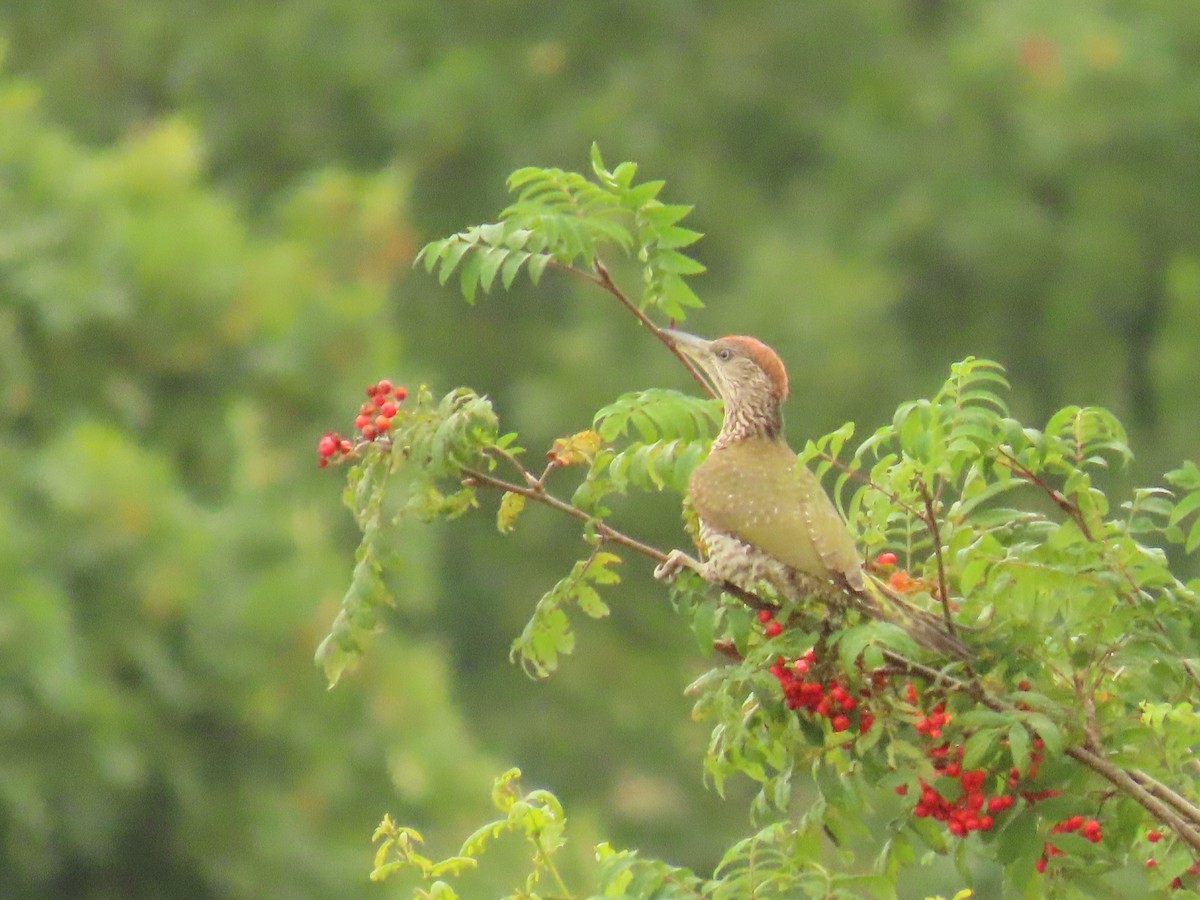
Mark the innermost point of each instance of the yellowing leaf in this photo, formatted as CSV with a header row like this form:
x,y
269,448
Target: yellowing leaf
x,y
577,448
510,507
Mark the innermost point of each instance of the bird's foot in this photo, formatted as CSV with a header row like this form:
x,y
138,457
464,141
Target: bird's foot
x,y
676,560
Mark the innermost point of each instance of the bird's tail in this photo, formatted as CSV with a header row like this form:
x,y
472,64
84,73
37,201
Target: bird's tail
x,y
922,626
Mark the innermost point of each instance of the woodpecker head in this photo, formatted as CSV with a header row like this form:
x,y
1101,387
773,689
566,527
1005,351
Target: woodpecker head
x,y
747,374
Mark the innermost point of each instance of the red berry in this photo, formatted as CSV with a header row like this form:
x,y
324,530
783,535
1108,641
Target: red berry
x,y
773,628
865,721
1040,865
388,409
362,421
985,823
379,400
901,789
369,432
383,387
1023,685
400,393
885,559
841,722
370,390
323,462
765,616
1154,836
345,446
1151,863
382,423
327,446
801,666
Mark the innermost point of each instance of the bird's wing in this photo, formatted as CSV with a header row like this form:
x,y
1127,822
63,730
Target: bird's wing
x,y
831,538
754,491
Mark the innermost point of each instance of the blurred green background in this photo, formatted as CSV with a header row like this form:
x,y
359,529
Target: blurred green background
x,y
208,213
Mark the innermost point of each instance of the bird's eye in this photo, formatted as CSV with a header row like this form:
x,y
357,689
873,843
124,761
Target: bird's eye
x,y
724,353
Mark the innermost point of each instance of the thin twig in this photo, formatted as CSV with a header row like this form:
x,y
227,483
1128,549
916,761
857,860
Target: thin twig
x,y
603,530
931,522
1076,515
603,280
858,476
1060,500
528,476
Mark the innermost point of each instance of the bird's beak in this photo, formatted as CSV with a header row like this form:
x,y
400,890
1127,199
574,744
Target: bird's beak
x,y
688,344
698,352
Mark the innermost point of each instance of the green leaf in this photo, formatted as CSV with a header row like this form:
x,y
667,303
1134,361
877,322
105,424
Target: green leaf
x,y
676,263
537,265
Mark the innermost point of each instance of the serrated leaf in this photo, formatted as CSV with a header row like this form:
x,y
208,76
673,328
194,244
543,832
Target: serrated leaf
x,y
1193,538
490,263
674,236
676,263
469,276
512,265
451,258
537,265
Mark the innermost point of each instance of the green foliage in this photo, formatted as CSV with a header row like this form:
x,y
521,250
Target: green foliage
x,y
432,442
564,218
1026,193
535,815
673,431
165,365
759,866
548,634
1082,636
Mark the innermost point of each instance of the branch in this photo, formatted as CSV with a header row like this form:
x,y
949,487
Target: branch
x,y
1076,515
931,522
1163,803
603,280
538,493
1060,500
857,475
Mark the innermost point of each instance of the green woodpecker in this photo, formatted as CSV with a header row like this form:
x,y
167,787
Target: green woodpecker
x,y
765,518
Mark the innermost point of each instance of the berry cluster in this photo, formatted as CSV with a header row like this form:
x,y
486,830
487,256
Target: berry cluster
x,y
374,419
826,699
972,810
1087,828
1154,836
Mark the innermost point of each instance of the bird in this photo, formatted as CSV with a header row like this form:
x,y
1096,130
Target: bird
x,y
762,517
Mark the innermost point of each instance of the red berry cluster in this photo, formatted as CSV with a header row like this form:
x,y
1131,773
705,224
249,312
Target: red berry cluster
x,y
330,445
826,699
1087,828
971,810
771,627
374,418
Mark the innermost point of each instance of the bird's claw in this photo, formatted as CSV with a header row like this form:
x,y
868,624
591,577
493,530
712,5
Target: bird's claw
x,y
676,560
